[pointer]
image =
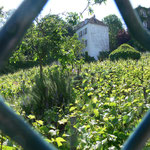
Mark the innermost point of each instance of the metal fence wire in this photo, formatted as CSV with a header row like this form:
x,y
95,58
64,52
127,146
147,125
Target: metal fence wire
x,y
13,125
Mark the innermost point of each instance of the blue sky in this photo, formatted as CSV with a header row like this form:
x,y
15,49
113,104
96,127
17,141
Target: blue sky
x,y
60,6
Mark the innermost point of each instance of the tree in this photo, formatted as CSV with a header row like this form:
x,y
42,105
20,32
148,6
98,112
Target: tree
x,y
71,50
43,40
4,15
1,16
115,26
47,38
123,37
90,4
1,11
73,18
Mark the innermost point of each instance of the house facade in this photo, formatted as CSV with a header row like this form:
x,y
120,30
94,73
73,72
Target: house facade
x,y
95,35
144,14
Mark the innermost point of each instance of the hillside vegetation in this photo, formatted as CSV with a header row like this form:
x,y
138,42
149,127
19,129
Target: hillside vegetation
x,y
106,102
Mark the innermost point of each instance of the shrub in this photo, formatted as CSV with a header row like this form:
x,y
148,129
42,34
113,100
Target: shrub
x,y
125,51
88,58
103,55
53,90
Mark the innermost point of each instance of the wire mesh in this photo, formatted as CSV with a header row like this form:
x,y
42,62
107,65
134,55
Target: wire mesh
x,y
10,35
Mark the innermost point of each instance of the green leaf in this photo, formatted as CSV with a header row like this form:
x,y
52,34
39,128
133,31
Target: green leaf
x,y
125,118
90,93
8,148
59,141
63,121
31,117
65,135
39,122
87,126
112,104
96,112
72,108
94,100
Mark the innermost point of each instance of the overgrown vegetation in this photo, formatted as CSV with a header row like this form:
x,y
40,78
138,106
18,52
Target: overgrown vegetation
x,y
76,105
48,39
109,100
103,55
52,91
88,58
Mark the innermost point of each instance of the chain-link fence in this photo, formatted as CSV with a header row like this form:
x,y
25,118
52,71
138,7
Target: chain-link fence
x,y
10,35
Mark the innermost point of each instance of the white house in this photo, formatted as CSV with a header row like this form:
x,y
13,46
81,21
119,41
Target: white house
x,y
95,34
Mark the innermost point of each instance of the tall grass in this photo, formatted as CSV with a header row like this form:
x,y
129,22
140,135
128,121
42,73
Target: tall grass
x,y
53,90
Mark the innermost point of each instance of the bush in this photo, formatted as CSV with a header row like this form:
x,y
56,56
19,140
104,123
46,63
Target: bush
x,y
88,58
125,51
14,67
103,55
53,90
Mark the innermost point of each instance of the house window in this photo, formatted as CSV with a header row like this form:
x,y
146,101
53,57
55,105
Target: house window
x,y
85,42
85,31
80,34
144,14
141,12
145,24
148,12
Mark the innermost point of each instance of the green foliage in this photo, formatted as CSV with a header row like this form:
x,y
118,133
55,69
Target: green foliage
x,y
111,98
1,10
99,1
112,95
90,4
53,90
73,18
5,15
52,32
43,39
125,51
88,58
136,44
103,55
47,40
42,42
115,25
70,53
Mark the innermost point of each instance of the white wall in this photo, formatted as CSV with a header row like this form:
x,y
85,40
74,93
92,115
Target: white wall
x,y
97,39
85,36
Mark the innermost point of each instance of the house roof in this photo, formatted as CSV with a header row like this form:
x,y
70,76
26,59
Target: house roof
x,y
92,20
141,7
